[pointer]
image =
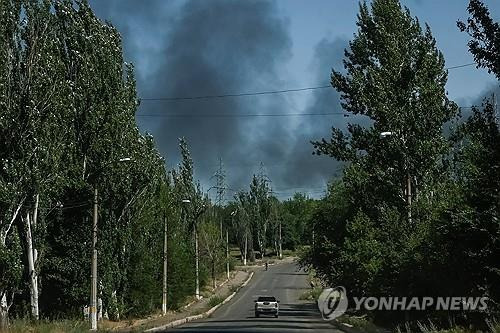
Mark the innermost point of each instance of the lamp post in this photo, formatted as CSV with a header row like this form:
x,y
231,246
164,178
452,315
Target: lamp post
x,y
165,260
408,189
93,286
227,253
196,251
246,240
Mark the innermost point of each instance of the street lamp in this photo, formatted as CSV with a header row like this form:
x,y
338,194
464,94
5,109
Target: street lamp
x,y
165,258
206,194
93,287
385,134
233,214
196,254
408,177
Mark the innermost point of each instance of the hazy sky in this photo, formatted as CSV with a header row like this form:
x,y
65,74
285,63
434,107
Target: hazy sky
x,y
207,47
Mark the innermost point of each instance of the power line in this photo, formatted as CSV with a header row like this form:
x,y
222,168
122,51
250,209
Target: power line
x,y
242,115
257,93
460,66
269,92
253,115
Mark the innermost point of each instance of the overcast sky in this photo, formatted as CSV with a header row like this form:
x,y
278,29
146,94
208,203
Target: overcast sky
x,y
201,47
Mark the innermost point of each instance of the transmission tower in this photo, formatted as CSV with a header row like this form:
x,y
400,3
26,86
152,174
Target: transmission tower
x,y
220,178
220,185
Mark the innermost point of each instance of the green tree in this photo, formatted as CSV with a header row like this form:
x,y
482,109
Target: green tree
x,y
485,36
259,211
395,76
472,222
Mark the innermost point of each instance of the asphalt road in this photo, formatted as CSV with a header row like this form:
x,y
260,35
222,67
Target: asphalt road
x,y
283,281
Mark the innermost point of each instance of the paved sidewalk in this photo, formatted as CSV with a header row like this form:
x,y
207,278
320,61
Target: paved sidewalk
x,y
237,278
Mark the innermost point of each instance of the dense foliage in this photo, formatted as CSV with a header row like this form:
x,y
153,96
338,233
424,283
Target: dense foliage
x,y
416,205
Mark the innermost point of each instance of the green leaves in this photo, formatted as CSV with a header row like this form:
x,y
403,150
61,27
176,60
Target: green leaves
x,y
485,37
67,116
404,215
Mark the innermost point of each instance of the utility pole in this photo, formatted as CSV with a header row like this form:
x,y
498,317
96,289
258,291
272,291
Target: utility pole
x,y
227,253
93,287
281,250
246,249
197,292
165,261
263,179
93,274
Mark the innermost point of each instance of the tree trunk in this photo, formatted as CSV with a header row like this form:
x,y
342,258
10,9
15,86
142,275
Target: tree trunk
x,y
4,313
250,249
408,196
32,257
259,242
263,253
213,275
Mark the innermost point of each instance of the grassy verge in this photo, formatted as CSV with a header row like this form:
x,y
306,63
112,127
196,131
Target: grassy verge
x,y
493,327
63,326
313,293
214,300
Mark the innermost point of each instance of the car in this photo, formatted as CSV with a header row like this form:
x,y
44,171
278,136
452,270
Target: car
x,y
266,305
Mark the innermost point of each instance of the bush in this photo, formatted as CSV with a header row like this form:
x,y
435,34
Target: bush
x,y
215,300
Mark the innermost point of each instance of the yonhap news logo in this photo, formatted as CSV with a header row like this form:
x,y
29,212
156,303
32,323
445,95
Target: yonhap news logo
x,y
333,303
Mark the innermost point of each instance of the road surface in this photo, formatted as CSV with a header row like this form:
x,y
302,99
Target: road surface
x,y
283,281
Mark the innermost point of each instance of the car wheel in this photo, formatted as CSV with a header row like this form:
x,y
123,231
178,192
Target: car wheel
x,y
276,316
256,315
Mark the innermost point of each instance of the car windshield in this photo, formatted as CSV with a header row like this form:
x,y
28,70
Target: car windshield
x,y
266,299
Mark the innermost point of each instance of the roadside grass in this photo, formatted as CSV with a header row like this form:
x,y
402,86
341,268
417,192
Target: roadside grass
x,y
493,327
361,324
316,289
45,326
233,288
311,295
215,300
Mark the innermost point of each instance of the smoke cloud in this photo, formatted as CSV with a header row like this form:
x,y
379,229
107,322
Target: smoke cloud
x,y
224,47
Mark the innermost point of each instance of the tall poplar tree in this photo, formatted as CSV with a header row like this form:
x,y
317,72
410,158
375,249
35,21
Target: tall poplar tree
x,y
394,75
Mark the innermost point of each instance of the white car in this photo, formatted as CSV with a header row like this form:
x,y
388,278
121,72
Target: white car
x,y
267,305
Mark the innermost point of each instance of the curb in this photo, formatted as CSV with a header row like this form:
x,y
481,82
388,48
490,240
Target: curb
x,y
192,302
202,315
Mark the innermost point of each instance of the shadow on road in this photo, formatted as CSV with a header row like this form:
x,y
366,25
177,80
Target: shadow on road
x,y
292,317
299,310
